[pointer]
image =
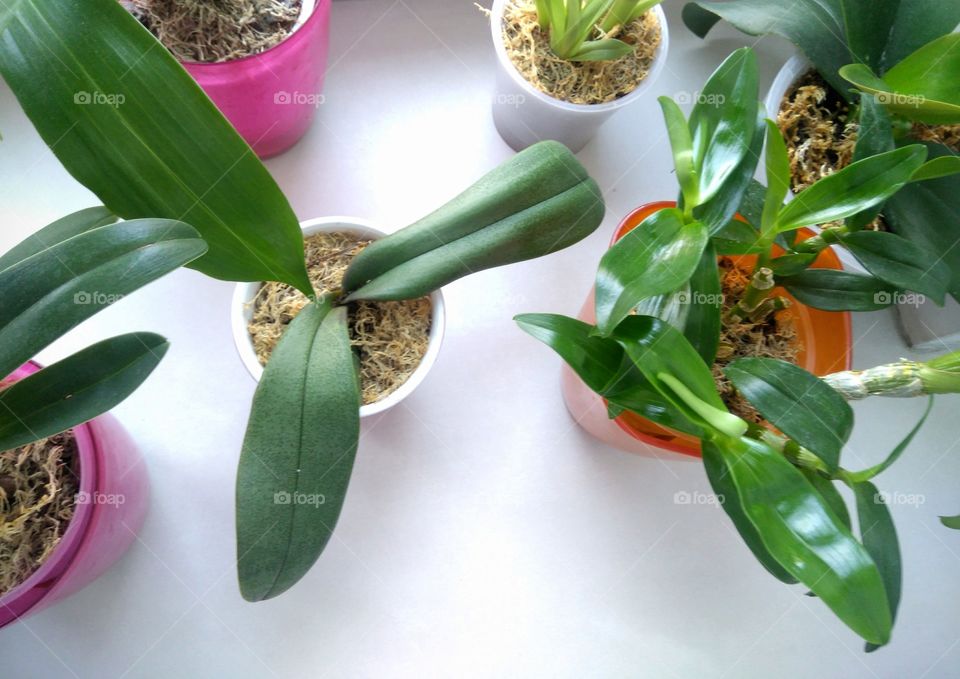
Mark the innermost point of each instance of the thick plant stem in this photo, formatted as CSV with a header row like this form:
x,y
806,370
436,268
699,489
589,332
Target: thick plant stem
x,y
903,379
827,237
790,449
754,296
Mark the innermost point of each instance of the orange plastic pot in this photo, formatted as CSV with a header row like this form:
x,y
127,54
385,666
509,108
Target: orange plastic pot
x,y
826,347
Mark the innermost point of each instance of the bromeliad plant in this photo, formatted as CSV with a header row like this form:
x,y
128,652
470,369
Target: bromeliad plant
x,y
141,157
60,276
777,480
905,56
583,30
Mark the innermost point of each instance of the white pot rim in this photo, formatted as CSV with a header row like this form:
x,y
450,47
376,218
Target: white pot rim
x,y
241,311
659,60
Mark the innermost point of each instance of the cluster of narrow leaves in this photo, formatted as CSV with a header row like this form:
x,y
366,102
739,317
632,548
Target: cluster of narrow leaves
x,y
572,25
778,484
59,277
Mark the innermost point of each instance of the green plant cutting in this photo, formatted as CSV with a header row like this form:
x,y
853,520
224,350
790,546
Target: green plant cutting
x,y
142,158
904,55
56,279
582,30
778,478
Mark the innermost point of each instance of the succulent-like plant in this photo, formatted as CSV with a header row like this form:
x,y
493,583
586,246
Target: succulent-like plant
x,y
777,481
60,276
580,30
145,157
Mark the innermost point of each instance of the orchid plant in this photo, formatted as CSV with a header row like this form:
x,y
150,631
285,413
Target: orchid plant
x,y
583,30
778,480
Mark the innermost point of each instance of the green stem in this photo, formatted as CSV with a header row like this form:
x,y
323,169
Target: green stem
x,y
827,237
757,291
902,379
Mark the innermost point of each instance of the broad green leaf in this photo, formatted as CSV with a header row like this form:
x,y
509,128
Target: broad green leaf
x,y
607,49
931,71
778,176
723,121
867,474
298,452
918,23
856,187
944,166
538,202
53,290
874,137
879,537
804,535
132,126
723,486
701,324
78,388
797,403
681,144
655,258
580,24
899,262
839,290
828,491
913,102
698,19
951,521
66,227
926,213
792,264
814,26
737,238
866,26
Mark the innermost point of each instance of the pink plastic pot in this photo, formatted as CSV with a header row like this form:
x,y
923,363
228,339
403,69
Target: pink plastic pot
x,y
111,505
271,97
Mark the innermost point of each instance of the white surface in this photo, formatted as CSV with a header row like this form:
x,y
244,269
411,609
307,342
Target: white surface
x,y
242,311
484,534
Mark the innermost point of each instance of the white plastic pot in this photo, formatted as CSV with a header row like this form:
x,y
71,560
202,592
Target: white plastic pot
x,y
242,312
524,115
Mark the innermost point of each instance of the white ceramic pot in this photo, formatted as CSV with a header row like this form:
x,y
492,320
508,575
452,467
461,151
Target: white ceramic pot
x,y
242,311
524,115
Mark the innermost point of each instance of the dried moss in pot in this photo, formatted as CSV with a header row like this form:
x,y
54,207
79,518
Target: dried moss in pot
x,y
38,490
578,82
217,30
390,338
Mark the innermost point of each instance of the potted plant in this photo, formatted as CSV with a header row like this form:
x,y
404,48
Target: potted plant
x,y
261,62
564,67
695,336
303,429
73,489
902,56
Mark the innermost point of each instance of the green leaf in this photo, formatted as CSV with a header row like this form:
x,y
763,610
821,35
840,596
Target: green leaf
x,y
538,202
698,19
723,122
681,145
723,486
828,491
132,126
839,290
944,166
737,238
866,26
705,305
804,535
925,99
298,453
778,176
927,213
900,263
792,264
874,137
66,227
951,521
814,26
879,538
78,388
655,258
918,23
53,290
853,189
608,49
931,71
797,403
867,474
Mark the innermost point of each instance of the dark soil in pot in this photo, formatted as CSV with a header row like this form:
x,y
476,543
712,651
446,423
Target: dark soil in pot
x,y
214,31
38,492
583,82
390,338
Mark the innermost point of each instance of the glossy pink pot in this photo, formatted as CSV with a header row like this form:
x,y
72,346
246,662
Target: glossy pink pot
x,y
271,97
111,505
